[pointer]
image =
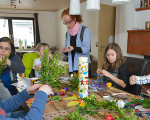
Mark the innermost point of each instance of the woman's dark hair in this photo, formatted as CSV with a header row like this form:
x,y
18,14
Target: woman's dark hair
x,y
6,39
66,12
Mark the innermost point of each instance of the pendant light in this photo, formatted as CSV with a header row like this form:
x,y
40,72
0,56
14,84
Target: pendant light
x,y
74,7
120,1
93,5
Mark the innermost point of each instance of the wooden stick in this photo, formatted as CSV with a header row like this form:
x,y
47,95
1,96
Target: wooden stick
x,y
100,110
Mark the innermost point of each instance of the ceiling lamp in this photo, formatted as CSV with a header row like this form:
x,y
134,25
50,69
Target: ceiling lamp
x,y
120,1
74,7
93,5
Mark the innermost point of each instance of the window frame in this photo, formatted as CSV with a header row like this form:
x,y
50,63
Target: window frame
x,y
10,27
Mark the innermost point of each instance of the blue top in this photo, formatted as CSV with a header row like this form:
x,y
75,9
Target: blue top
x,y
9,74
36,111
85,46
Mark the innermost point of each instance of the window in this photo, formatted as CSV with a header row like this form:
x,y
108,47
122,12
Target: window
x,y
18,29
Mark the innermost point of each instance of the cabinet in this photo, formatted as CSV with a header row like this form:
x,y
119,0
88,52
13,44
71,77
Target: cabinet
x,y
139,42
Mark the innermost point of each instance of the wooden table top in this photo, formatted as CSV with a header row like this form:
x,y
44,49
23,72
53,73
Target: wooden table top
x,y
62,105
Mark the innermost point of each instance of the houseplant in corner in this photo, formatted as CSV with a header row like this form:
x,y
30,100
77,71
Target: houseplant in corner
x,y
51,70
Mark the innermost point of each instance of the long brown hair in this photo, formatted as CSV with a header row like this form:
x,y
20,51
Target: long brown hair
x,y
119,57
66,12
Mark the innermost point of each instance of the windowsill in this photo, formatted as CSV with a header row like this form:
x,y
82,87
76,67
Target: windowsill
x,y
26,50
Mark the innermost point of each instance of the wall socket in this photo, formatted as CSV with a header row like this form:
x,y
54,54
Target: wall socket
x,y
96,44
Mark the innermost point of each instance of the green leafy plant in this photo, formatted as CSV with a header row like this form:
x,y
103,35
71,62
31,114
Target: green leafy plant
x,y
91,103
3,63
51,69
144,102
92,106
73,82
120,113
72,116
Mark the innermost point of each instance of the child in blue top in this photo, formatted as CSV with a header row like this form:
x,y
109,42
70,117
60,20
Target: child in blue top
x,y
37,108
13,65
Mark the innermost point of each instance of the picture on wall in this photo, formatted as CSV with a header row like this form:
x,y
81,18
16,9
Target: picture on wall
x,y
147,25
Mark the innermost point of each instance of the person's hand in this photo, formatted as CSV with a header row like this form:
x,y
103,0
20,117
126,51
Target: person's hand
x,y
133,79
98,71
33,89
38,67
62,50
47,89
148,92
8,62
105,73
69,49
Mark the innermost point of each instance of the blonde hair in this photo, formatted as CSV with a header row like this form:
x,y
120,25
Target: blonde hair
x,y
119,57
41,45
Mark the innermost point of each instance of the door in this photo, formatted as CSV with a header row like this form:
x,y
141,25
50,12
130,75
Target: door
x,y
106,31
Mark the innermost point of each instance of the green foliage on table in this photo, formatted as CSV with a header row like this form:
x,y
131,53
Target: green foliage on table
x,y
91,103
51,69
120,113
3,63
144,102
73,82
92,106
71,116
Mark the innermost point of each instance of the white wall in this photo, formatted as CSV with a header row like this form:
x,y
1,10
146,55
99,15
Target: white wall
x,y
47,27
47,23
128,19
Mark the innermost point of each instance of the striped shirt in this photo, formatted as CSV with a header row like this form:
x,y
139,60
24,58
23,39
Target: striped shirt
x,y
143,79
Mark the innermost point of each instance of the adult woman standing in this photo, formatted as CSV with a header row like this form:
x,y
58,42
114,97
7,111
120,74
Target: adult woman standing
x,y
75,47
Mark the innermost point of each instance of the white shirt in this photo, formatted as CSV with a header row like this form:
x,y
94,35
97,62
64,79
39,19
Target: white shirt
x,y
37,61
143,79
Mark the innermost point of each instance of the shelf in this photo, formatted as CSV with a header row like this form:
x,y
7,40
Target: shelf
x,y
143,8
147,30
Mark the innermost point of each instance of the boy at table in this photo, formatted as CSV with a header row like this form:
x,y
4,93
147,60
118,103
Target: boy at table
x,y
37,108
40,51
140,80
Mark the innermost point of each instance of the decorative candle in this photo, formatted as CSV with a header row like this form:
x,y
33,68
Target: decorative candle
x,y
83,73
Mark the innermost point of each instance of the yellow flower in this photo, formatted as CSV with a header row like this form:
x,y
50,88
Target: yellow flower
x,y
82,104
109,84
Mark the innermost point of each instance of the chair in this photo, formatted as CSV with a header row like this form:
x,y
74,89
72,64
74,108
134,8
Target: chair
x,y
139,67
28,59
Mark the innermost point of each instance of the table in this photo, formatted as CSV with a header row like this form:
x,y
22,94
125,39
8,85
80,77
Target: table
x,y
62,105
144,91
